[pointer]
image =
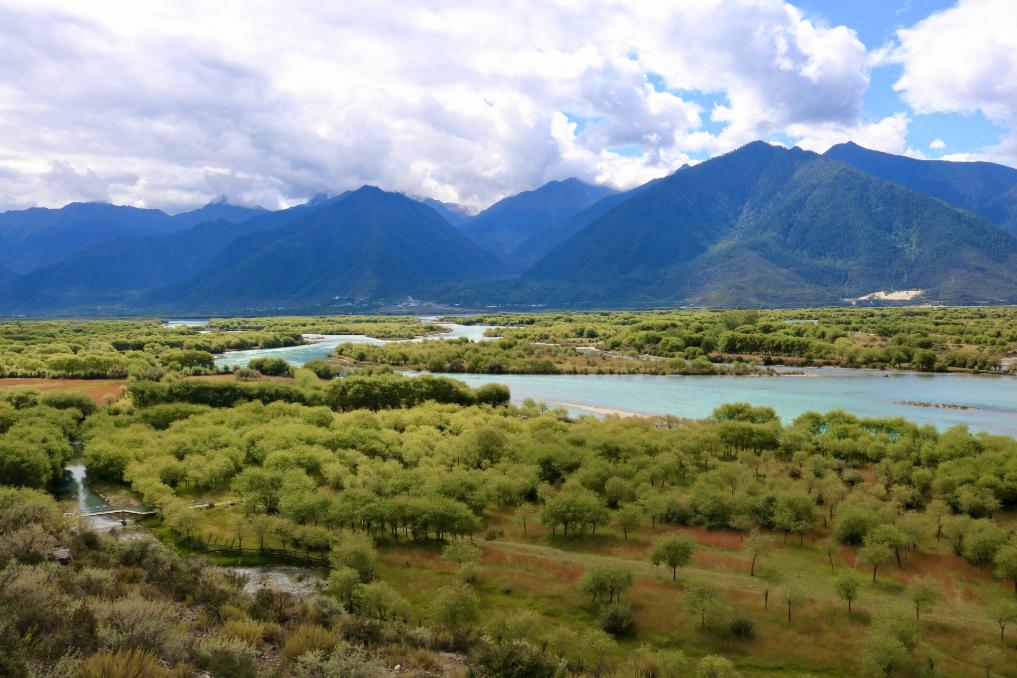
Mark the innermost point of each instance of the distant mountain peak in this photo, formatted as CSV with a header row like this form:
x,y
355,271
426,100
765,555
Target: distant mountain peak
x,y
521,228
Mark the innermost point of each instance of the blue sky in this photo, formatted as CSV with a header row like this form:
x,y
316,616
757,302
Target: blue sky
x,y
876,23
171,103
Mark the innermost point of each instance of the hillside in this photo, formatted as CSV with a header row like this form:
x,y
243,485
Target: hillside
x,y
369,243
111,275
985,188
39,236
521,228
769,225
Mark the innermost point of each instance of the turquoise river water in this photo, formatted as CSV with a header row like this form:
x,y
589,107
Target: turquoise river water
x,y
985,403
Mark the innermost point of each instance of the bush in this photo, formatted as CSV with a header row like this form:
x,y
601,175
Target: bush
x,y
66,401
616,619
742,626
251,632
511,660
223,656
122,664
273,367
322,369
361,630
347,661
140,624
308,638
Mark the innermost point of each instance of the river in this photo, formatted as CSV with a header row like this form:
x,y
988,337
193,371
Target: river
x,y
322,345
992,400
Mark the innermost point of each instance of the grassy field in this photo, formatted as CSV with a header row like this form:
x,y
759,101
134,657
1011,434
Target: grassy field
x,y
534,571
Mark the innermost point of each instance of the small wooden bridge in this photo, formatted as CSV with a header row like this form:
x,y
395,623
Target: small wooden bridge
x,y
121,511
135,511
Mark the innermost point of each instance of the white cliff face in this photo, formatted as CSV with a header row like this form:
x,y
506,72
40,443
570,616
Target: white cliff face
x,y
895,295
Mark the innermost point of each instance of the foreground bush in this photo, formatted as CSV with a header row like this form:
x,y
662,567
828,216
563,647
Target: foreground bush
x,y
223,656
122,664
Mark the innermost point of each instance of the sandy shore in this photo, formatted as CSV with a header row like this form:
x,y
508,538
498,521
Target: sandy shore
x,y
603,410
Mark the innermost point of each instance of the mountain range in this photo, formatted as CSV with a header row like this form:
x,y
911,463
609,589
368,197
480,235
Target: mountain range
x,y
762,225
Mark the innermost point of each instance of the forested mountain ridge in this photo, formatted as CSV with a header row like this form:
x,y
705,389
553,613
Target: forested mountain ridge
x,y
985,188
112,275
39,236
369,243
762,225
521,228
769,225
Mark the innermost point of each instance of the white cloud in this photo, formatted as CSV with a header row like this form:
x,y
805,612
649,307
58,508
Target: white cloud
x,y
937,144
964,60
271,102
888,134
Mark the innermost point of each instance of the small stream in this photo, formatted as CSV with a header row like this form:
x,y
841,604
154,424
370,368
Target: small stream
x,y
75,486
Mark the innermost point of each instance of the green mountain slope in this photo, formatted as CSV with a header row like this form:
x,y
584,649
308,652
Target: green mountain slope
x,y
370,244
985,188
522,228
769,225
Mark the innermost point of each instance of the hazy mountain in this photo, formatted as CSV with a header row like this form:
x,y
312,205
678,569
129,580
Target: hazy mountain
x,y
770,225
217,210
39,236
368,244
114,273
521,228
984,188
450,212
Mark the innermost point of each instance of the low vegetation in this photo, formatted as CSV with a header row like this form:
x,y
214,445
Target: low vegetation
x,y
927,339
459,534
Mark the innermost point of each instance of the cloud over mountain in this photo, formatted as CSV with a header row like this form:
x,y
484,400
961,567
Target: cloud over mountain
x,y
171,103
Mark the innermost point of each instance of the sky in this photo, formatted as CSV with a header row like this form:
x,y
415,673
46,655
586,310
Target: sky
x,y
171,104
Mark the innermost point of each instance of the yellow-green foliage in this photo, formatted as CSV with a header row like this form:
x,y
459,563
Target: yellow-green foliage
x,y
121,664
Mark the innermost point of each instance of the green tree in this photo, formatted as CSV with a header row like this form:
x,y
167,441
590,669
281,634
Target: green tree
x,y
1006,563
1003,613
455,607
793,597
630,517
715,666
923,596
756,544
876,553
601,581
846,585
795,513
357,552
379,600
674,551
987,657
704,601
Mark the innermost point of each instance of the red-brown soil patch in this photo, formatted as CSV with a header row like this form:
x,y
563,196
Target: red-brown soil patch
x,y
719,561
94,388
721,539
549,568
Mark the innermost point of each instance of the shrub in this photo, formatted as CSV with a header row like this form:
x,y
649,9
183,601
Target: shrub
x,y
511,660
276,367
616,619
347,661
361,630
223,656
140,624
308,638
468,573
121,664
742,626
251,632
